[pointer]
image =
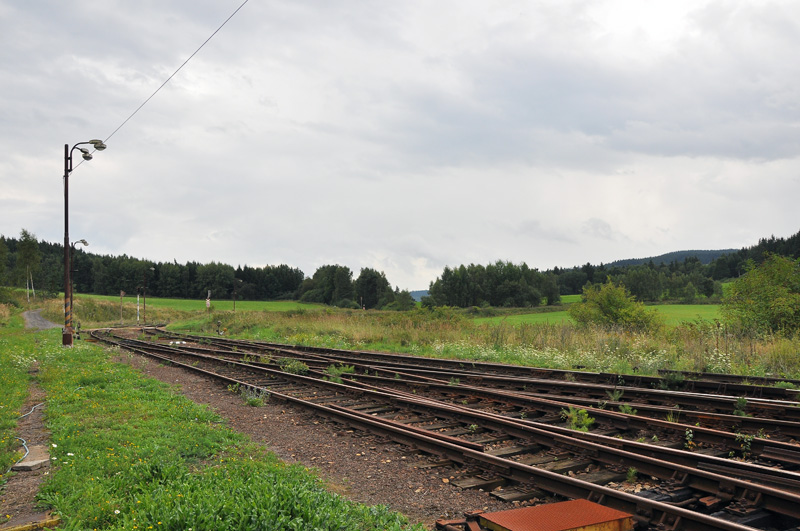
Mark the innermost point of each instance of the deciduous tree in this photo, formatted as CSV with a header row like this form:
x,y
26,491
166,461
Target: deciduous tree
x,y
371,288
612,305
28,257
766,298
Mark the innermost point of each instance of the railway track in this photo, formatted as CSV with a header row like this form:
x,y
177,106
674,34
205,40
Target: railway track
x,y
503,438
713,383
756,417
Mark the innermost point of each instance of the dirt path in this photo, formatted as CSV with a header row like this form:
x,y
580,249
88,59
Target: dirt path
x,y
34,319
18,496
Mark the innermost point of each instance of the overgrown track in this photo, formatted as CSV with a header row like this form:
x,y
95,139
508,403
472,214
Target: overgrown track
x,y
511,439
745,416
706,383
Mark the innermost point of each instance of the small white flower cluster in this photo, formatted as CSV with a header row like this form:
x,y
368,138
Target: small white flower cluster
x,y
719,361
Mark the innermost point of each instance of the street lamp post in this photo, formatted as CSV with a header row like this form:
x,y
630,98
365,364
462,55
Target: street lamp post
x,y
72,280
66,334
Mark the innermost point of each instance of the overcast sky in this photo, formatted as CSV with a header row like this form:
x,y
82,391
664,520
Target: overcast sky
x,y
402,136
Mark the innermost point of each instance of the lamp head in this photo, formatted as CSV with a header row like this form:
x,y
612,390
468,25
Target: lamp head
x,y
86,155
98,144
84,242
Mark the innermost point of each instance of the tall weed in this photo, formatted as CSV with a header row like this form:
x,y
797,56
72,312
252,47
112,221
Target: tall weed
x,y
446,333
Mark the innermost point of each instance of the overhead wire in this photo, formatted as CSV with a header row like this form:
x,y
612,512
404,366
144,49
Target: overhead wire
x,y
170,77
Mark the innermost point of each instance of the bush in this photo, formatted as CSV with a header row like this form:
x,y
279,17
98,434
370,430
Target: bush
x,y
611,305
766,298
10,297
293,366
348,303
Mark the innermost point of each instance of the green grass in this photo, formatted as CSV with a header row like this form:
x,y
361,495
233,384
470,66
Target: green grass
x,y
129,453
104,310
527,318
17,348
673,314
189,305
692,345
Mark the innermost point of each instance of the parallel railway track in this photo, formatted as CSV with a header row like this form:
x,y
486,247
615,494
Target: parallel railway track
x,y
500,436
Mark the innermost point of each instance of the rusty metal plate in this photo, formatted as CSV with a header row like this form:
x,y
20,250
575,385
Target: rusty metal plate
x,y
563,516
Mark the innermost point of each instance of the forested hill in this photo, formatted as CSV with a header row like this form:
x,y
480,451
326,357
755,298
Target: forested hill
x,y
705,258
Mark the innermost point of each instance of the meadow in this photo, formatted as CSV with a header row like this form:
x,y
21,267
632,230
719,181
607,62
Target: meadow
x,y
691,337
189,305
672,315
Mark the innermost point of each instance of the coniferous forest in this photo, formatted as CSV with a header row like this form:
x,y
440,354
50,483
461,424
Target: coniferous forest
x,y
25,260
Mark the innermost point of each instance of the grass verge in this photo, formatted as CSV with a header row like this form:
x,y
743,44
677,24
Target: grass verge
x,y
129,453
16,358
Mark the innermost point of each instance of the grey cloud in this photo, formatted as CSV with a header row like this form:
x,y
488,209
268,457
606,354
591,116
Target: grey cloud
x,y
317,132
598,228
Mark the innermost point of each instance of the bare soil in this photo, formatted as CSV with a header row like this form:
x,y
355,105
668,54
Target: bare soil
x,y
18,496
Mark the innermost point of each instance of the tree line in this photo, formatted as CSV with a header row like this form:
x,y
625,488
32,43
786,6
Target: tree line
x,y
687,281
764,301
334,285
498,284
684,281
25,261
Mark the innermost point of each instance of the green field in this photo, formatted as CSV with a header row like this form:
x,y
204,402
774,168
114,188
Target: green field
x,y
189,305
673,314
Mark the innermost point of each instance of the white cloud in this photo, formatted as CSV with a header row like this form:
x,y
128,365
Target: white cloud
x,y
307,133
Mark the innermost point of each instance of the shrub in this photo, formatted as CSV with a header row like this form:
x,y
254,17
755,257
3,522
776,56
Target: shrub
x,y
10,297
766,298
335,372
292,366
348,303
578,419
611,305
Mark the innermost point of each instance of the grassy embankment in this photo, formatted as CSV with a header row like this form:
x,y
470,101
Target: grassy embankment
x,y
130,453
690,339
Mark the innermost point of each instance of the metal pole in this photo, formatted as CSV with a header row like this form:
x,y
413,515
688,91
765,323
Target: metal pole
x,y
66,335
71,280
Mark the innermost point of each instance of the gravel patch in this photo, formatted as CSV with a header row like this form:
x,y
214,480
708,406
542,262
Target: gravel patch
x,y
34,319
